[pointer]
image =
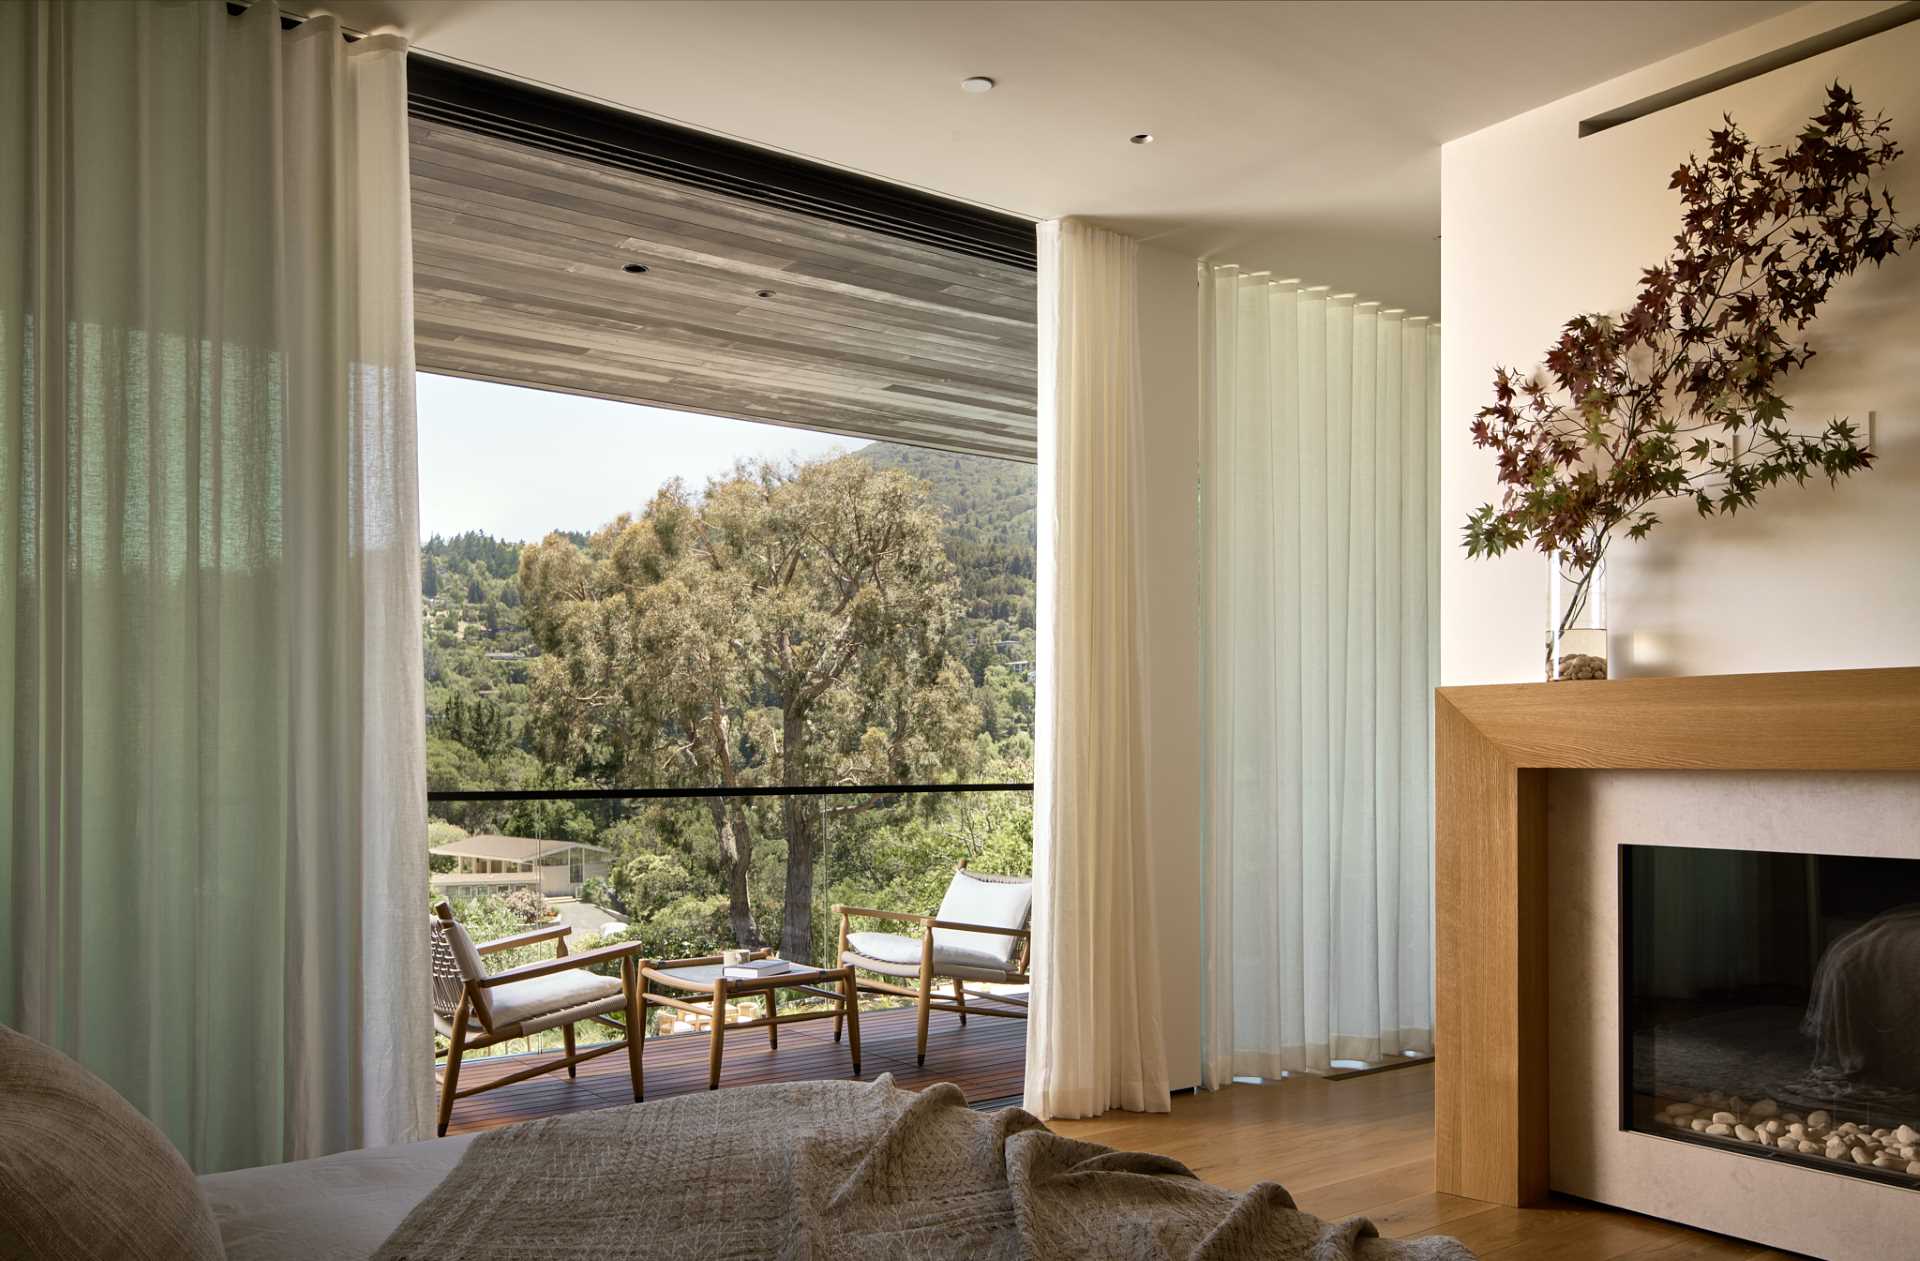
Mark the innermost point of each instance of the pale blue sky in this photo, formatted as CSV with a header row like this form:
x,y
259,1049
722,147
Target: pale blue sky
x,y
517,463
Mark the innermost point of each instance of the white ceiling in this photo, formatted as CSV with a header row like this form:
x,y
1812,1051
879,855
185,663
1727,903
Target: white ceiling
x,y
1298,136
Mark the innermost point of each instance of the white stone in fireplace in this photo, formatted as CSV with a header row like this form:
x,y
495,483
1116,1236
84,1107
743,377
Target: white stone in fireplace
x,y
1590,815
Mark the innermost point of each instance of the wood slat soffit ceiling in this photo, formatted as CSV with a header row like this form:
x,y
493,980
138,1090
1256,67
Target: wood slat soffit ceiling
x,y
745,310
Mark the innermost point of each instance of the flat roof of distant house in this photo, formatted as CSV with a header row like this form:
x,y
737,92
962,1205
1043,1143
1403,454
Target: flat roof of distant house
x,y
512,849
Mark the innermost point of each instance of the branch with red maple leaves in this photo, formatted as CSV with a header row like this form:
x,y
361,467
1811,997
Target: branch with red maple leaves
x,y
1680,396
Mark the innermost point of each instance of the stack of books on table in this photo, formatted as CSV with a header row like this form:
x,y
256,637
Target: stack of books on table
x,y
755,969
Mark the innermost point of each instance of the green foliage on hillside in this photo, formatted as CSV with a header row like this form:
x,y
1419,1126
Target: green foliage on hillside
x,y
990,510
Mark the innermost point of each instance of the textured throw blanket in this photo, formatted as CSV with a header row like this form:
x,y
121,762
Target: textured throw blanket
x,y
848,1169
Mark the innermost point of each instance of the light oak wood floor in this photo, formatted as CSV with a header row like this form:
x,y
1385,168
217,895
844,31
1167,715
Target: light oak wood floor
x,y
1364,1145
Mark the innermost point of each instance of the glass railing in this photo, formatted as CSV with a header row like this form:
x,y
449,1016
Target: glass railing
x,y
687,874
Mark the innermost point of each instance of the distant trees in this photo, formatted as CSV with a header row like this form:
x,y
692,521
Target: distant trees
x,y
990,534
474,722
473,549
791,626
440,832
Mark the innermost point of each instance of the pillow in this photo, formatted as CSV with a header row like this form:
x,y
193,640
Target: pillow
x,y
83,1175
1003,904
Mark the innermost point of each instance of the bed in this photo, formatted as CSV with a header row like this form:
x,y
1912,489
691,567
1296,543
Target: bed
x,y
795,1171
335,1208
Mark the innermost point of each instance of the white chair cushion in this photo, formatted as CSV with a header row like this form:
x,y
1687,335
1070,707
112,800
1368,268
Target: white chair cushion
x,y
894,948
518,1002
465,953
971,901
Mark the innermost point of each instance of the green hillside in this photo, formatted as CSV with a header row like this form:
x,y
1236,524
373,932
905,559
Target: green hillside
x,y
990,507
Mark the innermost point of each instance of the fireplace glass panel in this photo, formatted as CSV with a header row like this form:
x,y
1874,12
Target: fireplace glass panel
x,y
1772,1005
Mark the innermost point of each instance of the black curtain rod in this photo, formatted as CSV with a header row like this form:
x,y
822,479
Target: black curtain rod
x,y
288,21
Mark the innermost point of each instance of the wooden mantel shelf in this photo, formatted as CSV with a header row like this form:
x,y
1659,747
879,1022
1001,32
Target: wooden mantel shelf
x,y
1493,747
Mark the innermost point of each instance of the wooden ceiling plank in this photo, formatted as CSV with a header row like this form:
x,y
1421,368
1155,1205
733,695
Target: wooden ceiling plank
x,y
546,273
772,400
818,380
671,344
648,220
1019,449
517,279
436,215
957,364
709,216
596,178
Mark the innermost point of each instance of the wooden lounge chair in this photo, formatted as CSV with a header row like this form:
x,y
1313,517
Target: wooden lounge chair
x,y
980,933
472,1009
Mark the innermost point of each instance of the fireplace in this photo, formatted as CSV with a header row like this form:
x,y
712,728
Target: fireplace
x,y
1770,1006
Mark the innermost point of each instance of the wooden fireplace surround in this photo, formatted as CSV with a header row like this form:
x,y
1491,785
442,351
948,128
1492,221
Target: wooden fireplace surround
x,y
1493,748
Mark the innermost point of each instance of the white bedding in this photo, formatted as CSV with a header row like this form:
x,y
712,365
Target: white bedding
x,y
336,1208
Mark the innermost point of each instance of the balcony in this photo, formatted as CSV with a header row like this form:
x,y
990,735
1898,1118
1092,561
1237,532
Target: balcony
x,y
986,1060
649,874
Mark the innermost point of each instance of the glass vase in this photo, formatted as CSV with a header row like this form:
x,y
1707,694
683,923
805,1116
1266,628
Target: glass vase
x,y
1576,619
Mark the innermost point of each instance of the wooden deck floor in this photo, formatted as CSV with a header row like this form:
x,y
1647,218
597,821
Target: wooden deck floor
x,y
986,1059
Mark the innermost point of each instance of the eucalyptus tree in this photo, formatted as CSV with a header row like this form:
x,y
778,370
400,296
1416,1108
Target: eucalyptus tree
x,y
790,626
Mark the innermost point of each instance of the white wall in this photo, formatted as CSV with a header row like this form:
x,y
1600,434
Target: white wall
x,y
1170,372
1539,225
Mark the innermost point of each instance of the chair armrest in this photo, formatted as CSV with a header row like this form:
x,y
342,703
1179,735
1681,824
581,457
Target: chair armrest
x,y
869,913
978,928
565,963
531,937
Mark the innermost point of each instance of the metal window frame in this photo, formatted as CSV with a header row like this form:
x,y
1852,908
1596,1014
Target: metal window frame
x,y
667,794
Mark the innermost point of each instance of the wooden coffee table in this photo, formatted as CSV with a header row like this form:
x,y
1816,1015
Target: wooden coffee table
x,y
705,976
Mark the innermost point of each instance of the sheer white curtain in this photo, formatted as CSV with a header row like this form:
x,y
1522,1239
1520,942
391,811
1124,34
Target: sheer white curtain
x,y
212,790
1095,1040
1321,580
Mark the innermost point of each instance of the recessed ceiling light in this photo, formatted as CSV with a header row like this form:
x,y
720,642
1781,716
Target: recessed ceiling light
x,y
634,269
1145,137
977,84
